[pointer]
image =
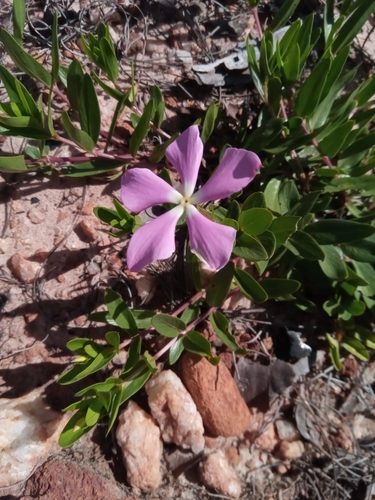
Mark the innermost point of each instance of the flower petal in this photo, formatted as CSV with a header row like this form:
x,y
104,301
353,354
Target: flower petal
x,y
141,189
153,241
185,154
237,168
210,241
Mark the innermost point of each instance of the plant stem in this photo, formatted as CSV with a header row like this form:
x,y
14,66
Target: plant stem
x,y
257,22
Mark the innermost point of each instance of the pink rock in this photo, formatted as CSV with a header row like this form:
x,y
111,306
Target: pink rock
x,y
223,410
286,431
139,439
89,226
23,269
290,451
36,215
175,411
267,440
216,473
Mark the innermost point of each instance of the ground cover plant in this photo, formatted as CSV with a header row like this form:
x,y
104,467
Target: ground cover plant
x,y
287,216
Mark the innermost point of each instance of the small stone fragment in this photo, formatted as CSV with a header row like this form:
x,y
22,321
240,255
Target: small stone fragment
x,y
174,410
36,215
23,269
286,431
4,245
139,439
291,451
363,427
223,410
29,429
267,439
41,254
88,208
216,473
88,226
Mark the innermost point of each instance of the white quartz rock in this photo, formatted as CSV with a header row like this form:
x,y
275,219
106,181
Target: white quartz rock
x,y
28,430
174,410
139,439
216,473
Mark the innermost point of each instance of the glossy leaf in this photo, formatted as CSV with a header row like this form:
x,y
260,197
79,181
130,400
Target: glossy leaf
x,y
196,343
275,287
81,371
210,121
12,164
333,266
335,231
220,325
255,200
175,351
109,55
249,286
334,351
19,18
284,14
331,145
303,244
255,221
283,227
74,83
309,94
218,289
120,312
167,325
249,248
95,167
356,348
80,137
74,429
88,107
141,129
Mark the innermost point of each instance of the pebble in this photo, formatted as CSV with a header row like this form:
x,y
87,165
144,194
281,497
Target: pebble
x,y
216,473
29,429
24,270
174,410
267,440
286,431
291,451
88,208
89,226
139,439
363,427
223,410
41,254
36,215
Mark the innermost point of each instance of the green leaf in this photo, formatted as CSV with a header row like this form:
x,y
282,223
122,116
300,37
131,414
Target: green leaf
x,y
80,137
150,362
96,389
353,24
333,266
255,221
274,93
356,348
143,319
283,227
220,325
113,338
55,50
275,287
111,91
249,248
249,286
367,273
308,97
335,231
218,289
141,129
329,18
303,244
268,240
81,371
352,306
210,121
288,196
194,270
12,164
23,60
255,200
362,250
284,14
175,351
120,312
74,80
134,352
94,167
138,379
158,152
271,195
191,313
88,107
334,351
19,18
74,429
365,336
262,136
109,56
291,67
196,343
93,413
167,325
332,143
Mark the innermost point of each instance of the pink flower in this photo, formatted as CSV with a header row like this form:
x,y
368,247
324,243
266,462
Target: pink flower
x,y
210,241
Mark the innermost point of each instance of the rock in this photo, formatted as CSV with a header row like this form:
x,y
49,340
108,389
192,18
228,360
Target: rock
x,y
146,288
363,427
36,215
216,473
89,226
174,410
286,431
59,480
232,455
28,430
88,208
267,439
290,451
23,269
139,439
41,254
223,410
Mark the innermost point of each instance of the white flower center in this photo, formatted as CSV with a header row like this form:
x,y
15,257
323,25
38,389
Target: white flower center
x,y
185,201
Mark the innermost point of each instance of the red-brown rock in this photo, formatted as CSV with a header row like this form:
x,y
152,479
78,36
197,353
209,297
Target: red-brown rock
x,y
223,410
23,269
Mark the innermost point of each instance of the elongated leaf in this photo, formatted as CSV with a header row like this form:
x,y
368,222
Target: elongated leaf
x,y
262,136
291,66
12,164
89,111
332,144
218,289
333,266
255,221
335,231
23,60
334,351
249,248
81,371
175,351
80,137
308,97
288,196
329,18
167,325
74,83
111,91
274,93
141,129
249,286
303,244
210,121
362,250
284,14
95,167
19,18
109,56
275,287
74,429
120,312
196,343
220,324
55,50
356,348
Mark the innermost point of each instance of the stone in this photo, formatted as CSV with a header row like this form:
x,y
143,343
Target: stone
x,y
286,431
88,226
291,451
59,480
216,473
223,410
36,215
28,430
363,427
88,208
139,439
175,412
24,270
267,440
41,254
